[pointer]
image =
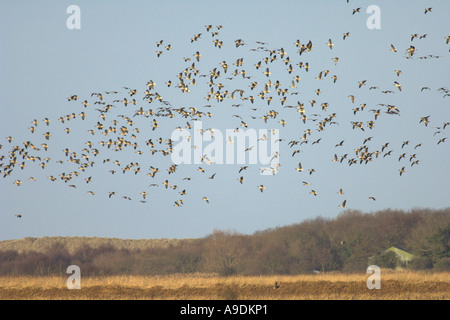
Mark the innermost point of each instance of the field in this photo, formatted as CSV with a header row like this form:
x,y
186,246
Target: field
x,y
338,286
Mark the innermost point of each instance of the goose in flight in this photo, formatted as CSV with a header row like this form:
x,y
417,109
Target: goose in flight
x,y
196,37
177,203
330,44
335,77
411,50
166,184
197,56
340,144
425,120
243,168
201,169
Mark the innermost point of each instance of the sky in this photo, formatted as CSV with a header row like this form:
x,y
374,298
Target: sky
x,y
44,61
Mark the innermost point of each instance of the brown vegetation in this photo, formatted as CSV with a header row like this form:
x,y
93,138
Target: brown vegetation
x,y
348,243
337,286
72,244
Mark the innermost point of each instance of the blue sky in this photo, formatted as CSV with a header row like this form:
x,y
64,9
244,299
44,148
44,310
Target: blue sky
x,y
43,63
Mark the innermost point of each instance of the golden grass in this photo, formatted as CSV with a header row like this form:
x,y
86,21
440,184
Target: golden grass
x,y
394,285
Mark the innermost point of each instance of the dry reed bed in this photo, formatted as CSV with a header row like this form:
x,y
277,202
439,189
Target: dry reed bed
x,y
394,285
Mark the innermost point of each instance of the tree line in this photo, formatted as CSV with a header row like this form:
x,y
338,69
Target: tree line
x,y
348,243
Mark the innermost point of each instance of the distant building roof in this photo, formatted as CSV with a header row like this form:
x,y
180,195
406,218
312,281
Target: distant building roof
x,y
401,254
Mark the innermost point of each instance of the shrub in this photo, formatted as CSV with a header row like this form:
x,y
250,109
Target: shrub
x,y
443,264
386,260
227,271
421,263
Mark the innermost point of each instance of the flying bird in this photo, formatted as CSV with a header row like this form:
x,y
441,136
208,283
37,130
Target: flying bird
x,y
398,85
330,44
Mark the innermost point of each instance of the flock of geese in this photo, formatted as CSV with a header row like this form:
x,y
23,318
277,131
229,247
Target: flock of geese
x,y
115,114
